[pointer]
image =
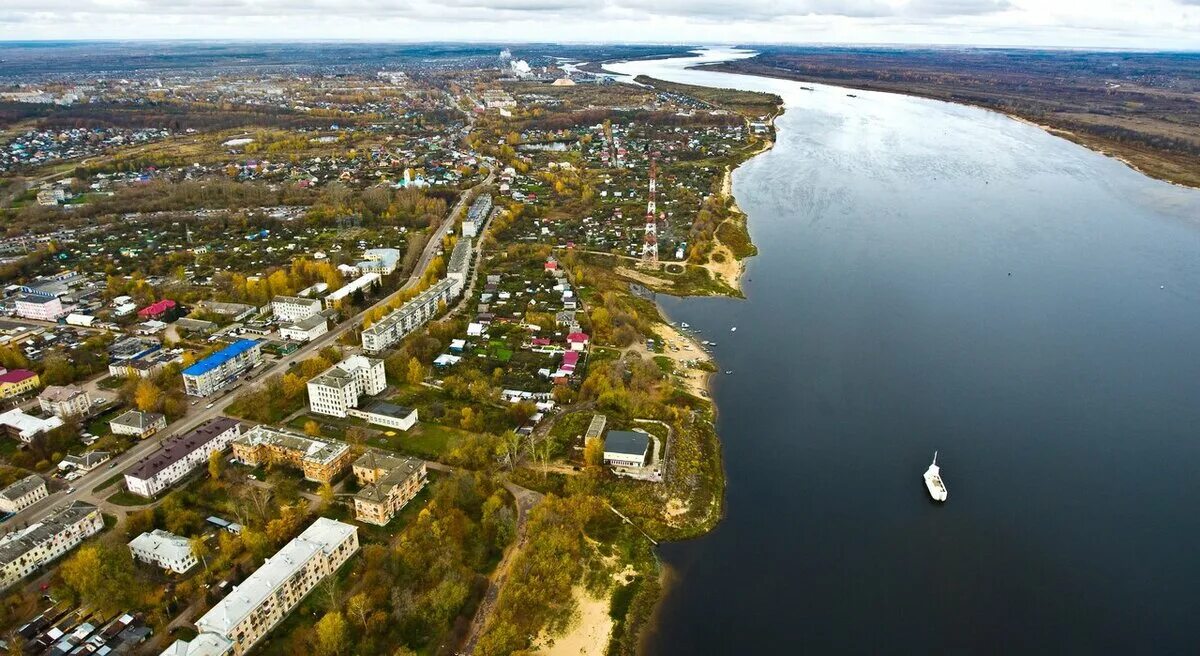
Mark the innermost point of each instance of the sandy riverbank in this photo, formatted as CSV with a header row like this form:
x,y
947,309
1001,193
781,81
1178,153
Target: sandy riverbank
x,y
722,263
588,632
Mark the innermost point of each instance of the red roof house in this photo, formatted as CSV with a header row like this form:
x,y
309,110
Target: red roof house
x,y
578,341
156,310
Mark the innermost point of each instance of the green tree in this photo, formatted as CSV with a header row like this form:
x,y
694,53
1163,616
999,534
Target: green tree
x,y
101,575
332,636
216,464
416,373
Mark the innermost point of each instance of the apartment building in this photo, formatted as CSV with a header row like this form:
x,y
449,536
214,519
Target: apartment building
x,y
321,460
22,494
388,483
305,330
248,613
340,387
179,455
40,308
23,552
65,401
389,330
460,260
17,382
294,308
164,549
221,368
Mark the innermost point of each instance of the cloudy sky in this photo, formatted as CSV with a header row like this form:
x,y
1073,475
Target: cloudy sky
x,y
1164,24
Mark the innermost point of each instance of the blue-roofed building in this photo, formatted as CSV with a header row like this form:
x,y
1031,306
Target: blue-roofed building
x,y
221,368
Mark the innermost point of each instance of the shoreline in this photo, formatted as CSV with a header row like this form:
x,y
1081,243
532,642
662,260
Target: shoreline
x,y
1062,133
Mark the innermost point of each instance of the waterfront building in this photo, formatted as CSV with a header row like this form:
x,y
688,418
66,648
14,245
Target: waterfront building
x,y
626,448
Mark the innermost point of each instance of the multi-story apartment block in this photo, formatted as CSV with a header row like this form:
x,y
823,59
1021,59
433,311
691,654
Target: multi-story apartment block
x,y
221,368
388,483
294,308
40,308
22,552
65,400
412,315
460,260
22,494
164,549
320,460
17,382
179,455
340,387
240,620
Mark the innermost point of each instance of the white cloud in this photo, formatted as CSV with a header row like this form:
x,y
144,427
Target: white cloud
x,y
1129,23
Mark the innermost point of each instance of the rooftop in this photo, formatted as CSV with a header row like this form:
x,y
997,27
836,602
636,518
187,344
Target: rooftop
x,y
627,442
16,545
174,449
324,534
22,487
319,451
221,357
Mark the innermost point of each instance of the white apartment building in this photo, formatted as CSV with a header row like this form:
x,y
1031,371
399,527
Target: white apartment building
x,y
179,455
380,260
339,388
65,400
22,494
40,308
248,613
412,315
24,551
221,368
294,308
164,549
305,330
460,260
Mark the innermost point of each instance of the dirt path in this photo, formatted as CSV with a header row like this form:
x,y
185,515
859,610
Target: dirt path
x,y
525,499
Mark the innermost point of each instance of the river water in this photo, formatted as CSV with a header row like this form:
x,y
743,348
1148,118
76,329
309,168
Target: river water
x,y
933,276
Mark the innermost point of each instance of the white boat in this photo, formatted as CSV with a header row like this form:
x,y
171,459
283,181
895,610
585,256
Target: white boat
x,y
733,330
933,481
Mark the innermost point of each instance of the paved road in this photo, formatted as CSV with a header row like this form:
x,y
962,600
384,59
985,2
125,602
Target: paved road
x,y
82,490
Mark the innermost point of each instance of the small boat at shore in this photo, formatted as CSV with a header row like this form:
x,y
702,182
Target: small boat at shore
x,y
933,481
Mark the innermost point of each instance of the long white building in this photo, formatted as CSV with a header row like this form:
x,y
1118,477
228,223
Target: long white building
x,y
340,387
460,260
22,494
240,620
294,308
24,551
389,330
179,455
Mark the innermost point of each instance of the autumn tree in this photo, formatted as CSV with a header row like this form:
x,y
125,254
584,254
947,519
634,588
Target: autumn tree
x,y
332,635
147,396
101,575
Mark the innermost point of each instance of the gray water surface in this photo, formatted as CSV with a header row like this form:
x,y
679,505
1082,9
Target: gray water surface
x,y
933,276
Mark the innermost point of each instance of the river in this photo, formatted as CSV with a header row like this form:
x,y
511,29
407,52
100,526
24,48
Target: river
x,y
940,277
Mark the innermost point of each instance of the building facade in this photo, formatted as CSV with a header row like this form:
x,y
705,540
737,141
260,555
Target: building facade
x,y
389,330
320,460
40,308
388,415
221,368
179,455
17,382
305,330
294,308
137,423
65,400
340,387
248,613
22,494
626,448
164,549
24,551
388,483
